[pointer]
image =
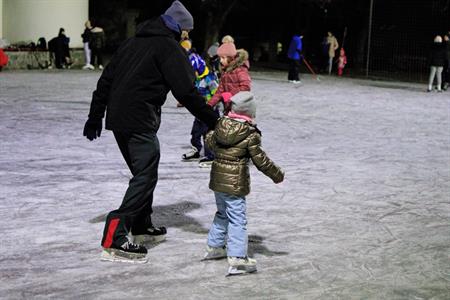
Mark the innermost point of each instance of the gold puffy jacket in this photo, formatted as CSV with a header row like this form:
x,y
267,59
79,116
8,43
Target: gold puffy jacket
x,y
233,144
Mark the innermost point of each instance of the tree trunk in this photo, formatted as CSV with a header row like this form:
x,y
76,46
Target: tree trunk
x,y
212,30
217,12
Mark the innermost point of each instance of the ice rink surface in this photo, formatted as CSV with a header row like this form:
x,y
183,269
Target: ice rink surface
x,y
363,213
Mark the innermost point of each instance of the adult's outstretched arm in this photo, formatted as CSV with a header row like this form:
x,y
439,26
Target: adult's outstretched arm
x,y
179,75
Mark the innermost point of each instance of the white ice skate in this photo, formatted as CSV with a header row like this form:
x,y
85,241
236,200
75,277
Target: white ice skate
x,y
240,266
215,253
88,67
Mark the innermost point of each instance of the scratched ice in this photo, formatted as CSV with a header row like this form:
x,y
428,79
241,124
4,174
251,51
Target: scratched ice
x,y
363,213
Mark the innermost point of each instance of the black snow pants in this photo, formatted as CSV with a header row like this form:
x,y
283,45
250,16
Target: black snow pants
x,y
294,70
96,53
141,153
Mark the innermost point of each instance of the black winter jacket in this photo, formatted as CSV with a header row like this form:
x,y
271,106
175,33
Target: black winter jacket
x,y
438,54
97,39
134,85
86,35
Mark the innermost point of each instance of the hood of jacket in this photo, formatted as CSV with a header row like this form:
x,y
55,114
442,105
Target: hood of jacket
x,y
229,132
154,27
240,60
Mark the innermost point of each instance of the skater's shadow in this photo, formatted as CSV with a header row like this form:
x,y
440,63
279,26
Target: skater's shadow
x,y
175,215
255,245
170,216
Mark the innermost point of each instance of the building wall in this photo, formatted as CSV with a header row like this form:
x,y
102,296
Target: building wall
x,y
28,20
1,19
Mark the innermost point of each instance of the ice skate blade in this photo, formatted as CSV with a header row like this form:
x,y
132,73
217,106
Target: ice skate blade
x,y
191,160
233,271
205,165
148,239
205,258
114,255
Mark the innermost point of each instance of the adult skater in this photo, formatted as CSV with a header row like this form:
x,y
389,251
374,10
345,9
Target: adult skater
x,y
295,58
333,45
96,44
438,55
132,88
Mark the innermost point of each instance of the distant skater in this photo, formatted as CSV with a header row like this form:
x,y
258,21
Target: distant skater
x,y
295,58
333,45
438,56
342,61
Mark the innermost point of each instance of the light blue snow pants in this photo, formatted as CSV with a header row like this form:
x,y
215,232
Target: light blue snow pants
x,y
230,219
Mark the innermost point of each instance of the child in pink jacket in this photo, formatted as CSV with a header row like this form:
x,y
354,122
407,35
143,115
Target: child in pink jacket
x,y
342,61
235,77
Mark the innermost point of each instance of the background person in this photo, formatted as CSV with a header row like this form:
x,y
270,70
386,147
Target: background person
x,y
295,58
438,56
86,36
333,45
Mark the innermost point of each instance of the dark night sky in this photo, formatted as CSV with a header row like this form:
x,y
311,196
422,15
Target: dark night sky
x,y
400,27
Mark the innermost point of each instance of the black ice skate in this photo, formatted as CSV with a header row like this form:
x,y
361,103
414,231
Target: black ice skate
x,y
191,155
127,252
241,265
205,162
150,235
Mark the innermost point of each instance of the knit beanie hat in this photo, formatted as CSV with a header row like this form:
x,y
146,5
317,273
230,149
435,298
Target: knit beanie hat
x,y
181,15
243,103
227,49
186,44
197,63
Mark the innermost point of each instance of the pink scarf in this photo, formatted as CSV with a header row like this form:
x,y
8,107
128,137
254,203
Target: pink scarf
x,y
242,117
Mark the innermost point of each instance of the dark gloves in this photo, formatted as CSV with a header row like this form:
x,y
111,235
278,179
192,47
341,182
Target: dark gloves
x,y
92,129
279,177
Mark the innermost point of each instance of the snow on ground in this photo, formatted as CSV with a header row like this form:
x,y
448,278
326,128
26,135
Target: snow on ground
x,y
363,213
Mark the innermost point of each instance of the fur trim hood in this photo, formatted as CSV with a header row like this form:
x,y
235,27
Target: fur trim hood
x,y
240,60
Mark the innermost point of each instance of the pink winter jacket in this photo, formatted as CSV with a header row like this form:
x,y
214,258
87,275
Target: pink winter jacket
x,y
234,79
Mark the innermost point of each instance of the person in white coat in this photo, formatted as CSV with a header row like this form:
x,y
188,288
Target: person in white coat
x,y
333,45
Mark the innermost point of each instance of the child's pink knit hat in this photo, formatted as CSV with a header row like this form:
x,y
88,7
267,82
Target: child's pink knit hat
x,y
227,49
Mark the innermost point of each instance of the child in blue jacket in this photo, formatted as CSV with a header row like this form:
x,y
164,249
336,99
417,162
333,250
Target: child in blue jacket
x,y
206,83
